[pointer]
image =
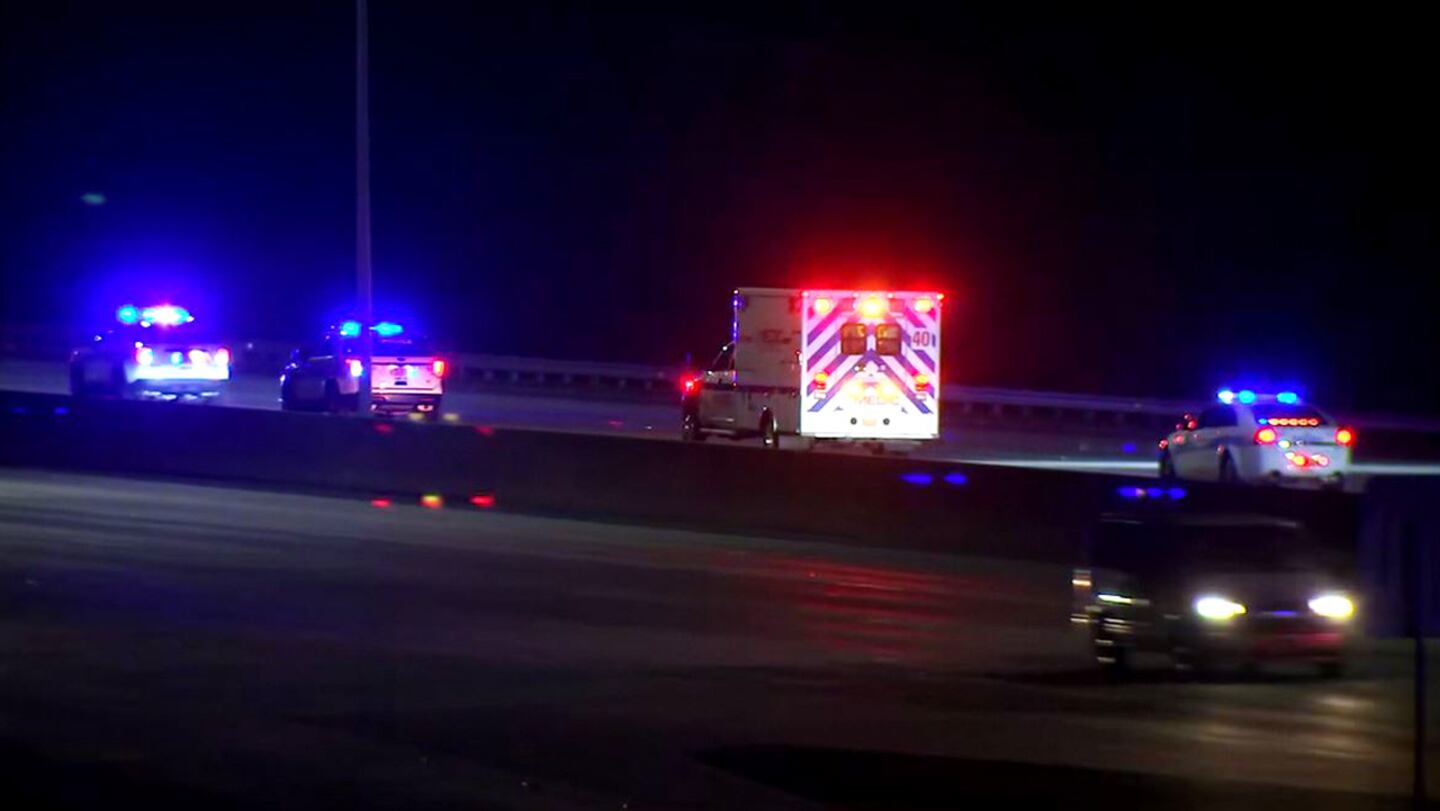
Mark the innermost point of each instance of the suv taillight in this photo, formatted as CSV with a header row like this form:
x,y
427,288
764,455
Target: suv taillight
x,y
438,367
1266,436
1345,436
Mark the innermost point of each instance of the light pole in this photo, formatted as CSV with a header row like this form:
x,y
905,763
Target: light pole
x,y
364,291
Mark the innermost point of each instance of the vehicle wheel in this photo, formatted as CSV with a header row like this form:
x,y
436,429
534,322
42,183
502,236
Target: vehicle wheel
x,y
1167,468
77,381
1228,474
769,433
430,416
1190,662
117,382
1113,657
690,426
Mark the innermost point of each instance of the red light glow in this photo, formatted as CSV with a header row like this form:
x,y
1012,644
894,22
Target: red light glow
x,y
384,428
874,307
483,500
1266,436
381,503
438,367
432,501
1345,437
922,382
822,380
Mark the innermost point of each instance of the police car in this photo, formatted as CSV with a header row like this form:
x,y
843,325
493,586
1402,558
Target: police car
x,y
154,352
1250,437
407,375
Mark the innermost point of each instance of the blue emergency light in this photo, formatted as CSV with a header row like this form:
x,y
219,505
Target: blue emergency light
x,y
161,315
385,329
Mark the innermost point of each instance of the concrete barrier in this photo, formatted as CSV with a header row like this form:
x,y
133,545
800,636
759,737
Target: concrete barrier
x,y
884,502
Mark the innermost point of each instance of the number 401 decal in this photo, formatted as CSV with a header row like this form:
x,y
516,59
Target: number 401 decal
x,y
922,337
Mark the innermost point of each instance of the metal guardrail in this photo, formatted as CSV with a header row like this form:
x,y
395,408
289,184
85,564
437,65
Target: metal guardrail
x,y
474,370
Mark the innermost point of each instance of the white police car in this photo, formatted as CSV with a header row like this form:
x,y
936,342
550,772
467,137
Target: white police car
x,y
155,352
1250,437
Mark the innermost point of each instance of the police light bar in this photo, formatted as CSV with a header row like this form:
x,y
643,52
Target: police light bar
x,y
1248,396
385,329
160,315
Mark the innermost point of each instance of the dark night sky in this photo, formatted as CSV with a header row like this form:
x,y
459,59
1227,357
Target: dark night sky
x,y
1128,205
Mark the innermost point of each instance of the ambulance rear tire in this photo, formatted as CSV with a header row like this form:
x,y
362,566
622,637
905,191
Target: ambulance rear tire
x,y
333,403
1167,468
690,430
769,431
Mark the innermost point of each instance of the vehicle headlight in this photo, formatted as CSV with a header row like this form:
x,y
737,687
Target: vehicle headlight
x,y
1333,606
1218,609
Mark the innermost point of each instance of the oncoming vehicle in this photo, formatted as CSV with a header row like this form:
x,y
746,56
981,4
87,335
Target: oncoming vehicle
x,y
152,352
1210,592
1249,437
836,365
407,375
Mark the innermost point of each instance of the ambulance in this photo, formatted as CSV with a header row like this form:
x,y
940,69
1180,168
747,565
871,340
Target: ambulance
x,y
859,366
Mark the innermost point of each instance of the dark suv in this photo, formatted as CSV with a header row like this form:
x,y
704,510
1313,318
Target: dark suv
x,y
1211,591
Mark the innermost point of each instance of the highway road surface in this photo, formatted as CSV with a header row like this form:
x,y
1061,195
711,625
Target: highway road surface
x,y
554,412
206,647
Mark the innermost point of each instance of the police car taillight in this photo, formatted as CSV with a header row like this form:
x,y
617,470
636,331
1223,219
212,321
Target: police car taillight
x,y
1345,436
222,357
1266,436
357,368
144,355
438,367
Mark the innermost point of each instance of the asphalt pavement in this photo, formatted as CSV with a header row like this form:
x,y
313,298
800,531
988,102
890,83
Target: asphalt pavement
x,y
189,645
555,411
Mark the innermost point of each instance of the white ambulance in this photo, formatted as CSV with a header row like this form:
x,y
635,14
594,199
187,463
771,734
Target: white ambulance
x,y
848,365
